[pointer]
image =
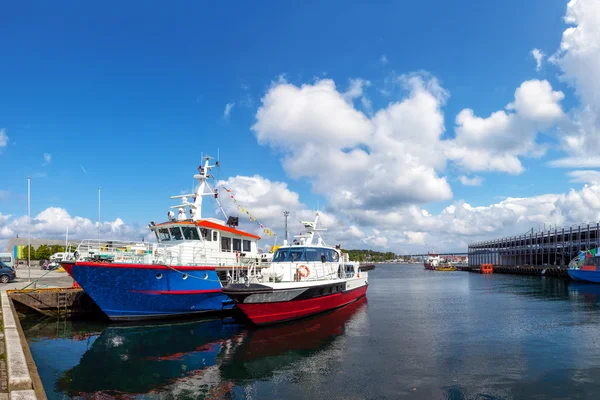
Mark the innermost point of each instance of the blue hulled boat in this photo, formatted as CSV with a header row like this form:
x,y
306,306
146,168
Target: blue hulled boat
x,y
181,274
585,266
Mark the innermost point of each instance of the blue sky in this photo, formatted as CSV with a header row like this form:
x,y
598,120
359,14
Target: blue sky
x,y
134,92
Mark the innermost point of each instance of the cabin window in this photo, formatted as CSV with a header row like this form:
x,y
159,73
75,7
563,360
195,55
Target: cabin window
x,y
331,255
225,243
246,245
334,256
190,233
163,235
205,234
312,254
215,236
156,234
280,255
237,245
295,255
176,233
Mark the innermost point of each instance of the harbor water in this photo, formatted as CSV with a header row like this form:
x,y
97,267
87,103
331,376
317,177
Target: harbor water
x,y
418,335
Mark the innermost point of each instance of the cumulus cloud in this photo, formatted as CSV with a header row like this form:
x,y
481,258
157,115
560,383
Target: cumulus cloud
x,y
354,160
496,142
538,56
52,223
3,138
474,181
227,111
579,61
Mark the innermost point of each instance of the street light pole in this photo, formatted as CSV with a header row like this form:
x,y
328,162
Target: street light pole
x,y
286,214
98,218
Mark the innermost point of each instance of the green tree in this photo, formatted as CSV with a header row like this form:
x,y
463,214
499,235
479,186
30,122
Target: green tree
x,y
57,249
43,252
28,250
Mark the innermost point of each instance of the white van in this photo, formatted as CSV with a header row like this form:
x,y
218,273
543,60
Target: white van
x,y
61,256
7,259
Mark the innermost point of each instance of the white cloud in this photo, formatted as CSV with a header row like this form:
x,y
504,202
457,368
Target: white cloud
x,y
264,200
52,223
585,176
538,55
47,158
3,138
227,111
495,143
383,60
579,61
356,88
353,160
474,181
576,162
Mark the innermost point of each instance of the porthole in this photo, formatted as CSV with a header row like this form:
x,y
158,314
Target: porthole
x,y
184,277
159,276
205,276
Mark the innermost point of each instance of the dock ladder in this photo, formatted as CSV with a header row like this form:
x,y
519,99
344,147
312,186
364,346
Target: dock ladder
x,y
62,303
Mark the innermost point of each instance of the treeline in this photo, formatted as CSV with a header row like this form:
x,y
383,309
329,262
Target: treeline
x,y
43,252
370,255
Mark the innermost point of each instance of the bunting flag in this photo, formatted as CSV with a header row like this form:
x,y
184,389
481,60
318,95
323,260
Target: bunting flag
x,y
252,219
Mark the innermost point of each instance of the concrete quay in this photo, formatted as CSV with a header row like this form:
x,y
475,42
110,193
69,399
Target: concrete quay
x,y
19,379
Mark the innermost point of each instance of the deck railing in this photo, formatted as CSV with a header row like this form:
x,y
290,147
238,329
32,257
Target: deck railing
x,y
185,253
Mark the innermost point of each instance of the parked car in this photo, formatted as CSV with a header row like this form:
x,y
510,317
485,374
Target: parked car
x,y
7,274
50,265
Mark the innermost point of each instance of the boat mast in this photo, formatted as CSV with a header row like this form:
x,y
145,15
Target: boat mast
x,y
311,228
204,189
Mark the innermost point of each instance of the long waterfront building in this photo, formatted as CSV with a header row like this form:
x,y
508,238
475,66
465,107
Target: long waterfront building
x,y
548,247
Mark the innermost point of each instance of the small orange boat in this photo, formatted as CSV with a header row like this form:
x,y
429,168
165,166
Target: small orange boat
x,y
487,268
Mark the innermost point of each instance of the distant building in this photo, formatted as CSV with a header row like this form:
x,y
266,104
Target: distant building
x,y
16,245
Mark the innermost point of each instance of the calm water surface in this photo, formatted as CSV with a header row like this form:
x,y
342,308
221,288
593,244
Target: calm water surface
x,y
419,335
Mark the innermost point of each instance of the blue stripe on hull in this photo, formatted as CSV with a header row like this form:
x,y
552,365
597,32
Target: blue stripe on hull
x,y
586,276
148,293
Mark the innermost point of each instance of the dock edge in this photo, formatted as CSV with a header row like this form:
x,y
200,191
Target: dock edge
x,y
23,379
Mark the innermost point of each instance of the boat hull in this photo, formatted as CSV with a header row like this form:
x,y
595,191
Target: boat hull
x,y
150,291
68,267
270,312
429,266
585,275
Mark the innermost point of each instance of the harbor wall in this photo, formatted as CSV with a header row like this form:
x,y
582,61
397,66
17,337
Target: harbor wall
x,y
23,380
552,247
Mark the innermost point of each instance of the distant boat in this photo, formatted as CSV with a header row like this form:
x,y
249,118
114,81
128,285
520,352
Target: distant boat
x,y
585,266
432,262
446,268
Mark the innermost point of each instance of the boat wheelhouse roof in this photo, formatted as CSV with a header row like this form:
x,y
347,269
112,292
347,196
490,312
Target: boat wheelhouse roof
x,y
208,224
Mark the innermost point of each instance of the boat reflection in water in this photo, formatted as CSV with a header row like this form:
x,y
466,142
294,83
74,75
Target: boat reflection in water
x,y
275,348
148,359
196,358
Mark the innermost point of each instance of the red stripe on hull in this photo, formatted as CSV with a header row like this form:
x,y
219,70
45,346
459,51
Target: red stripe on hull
x,y
269,313
177,291
145,266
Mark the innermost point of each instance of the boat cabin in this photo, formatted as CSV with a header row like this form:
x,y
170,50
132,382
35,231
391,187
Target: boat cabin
x,y
213,233
301,253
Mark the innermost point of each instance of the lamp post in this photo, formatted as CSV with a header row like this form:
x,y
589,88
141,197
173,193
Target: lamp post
x,y
98,218
286,214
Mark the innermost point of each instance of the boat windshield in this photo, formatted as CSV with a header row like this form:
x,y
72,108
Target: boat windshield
x,y
297,254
